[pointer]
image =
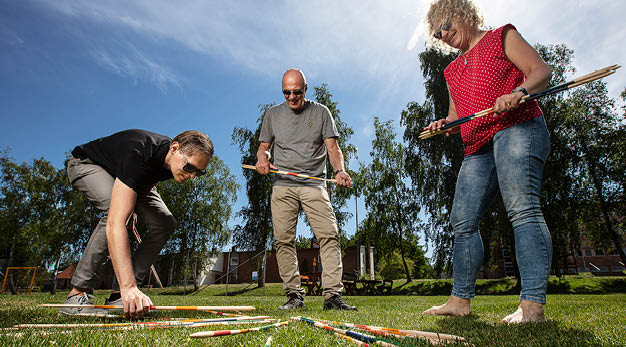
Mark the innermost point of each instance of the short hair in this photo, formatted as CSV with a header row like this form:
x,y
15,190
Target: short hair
x,y
192,141
460,10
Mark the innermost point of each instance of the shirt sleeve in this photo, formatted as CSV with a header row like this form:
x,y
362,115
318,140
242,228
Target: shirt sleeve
x,y
267,135
329,128
132,170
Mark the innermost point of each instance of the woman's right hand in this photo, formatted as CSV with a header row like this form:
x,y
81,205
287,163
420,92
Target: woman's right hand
x,y
438,124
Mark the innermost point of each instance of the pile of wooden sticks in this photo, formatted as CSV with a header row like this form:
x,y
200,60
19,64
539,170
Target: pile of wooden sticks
x,y
609,70
363,335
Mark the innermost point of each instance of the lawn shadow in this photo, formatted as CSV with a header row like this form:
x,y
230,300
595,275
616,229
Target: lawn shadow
x,y
498,287
241,291
480,333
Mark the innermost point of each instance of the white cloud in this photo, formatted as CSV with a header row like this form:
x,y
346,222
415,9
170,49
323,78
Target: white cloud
x,y
136,66
349,43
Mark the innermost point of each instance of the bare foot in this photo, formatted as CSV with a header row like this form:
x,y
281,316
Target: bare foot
x,y
457,307
527,312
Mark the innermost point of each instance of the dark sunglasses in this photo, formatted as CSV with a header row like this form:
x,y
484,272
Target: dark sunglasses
x,y
294,92
445,26
190,168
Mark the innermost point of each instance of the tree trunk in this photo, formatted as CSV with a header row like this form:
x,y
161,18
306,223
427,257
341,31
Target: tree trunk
x,y
170,278
10,263
53,290
194,274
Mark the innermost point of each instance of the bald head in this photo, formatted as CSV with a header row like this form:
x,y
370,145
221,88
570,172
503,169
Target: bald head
x,y
294,76
294,88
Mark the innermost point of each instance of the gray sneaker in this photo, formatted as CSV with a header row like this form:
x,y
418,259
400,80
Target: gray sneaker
x,y
82,299
295,301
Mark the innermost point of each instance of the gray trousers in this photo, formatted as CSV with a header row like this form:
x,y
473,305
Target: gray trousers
x,y
97,184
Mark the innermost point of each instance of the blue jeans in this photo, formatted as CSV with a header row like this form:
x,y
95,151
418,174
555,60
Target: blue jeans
x,y
511,163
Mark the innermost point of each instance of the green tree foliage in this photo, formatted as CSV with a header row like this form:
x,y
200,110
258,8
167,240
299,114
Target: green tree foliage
x,y
597,137
202,208
433,165
339,195
256,232
302,242
42,219
391,224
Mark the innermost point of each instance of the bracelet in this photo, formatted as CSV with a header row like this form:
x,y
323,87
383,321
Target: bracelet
x,y
338,171
520,89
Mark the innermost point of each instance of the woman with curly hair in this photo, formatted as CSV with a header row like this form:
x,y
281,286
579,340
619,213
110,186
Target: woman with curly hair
x,y
504,152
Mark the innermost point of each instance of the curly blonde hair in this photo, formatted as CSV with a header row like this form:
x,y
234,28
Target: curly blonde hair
x,y
441,11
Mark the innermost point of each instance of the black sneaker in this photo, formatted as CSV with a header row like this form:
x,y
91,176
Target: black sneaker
x,y
336,303
295,301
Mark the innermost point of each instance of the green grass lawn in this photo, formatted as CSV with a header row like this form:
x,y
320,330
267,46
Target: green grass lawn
x,y
573,320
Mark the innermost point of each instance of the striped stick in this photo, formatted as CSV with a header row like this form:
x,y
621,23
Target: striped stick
x,y
164,308
204,334
609,70
155,323
190,325
363,337
280,172
225,314
399,333
351,339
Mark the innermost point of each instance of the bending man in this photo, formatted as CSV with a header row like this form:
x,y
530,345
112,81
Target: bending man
x,y
119,173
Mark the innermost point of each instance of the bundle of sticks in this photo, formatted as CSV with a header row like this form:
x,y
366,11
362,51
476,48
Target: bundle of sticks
x,y
347,331
609,70
280,172
164,308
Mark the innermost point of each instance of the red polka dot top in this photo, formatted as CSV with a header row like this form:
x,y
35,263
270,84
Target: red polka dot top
x,y
476,79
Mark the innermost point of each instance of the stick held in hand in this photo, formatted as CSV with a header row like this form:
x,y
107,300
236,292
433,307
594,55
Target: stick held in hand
x,y
598,74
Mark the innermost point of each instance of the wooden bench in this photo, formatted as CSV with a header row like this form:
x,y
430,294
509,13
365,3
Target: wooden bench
x,y
385,287
312,283
349,284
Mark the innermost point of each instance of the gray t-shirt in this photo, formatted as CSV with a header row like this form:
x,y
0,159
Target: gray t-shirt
x,y
299,141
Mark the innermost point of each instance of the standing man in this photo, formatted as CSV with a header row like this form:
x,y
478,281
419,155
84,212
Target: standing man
x,y
303,132
119,173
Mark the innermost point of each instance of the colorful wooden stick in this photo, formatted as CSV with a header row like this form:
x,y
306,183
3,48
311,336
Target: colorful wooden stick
x,y
609,70
204,334
399,332
363,337
351,339
165,308
225,314
155,323
280,172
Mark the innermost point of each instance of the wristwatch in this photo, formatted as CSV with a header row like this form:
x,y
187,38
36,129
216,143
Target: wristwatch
x,y
520,89
338,171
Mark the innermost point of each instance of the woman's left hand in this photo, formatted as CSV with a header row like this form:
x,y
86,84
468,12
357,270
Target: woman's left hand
x,y
507,102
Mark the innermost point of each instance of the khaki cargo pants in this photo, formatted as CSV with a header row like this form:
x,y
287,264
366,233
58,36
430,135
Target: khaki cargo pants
x,y
286,203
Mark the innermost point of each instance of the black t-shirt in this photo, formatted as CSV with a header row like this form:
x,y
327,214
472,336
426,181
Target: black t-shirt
x,y
134,156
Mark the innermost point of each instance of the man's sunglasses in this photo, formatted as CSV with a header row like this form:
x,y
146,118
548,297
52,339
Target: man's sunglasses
x,y
294,92
189,168
445,26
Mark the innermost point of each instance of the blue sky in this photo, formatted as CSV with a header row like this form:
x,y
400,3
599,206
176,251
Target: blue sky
x,y
72,71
